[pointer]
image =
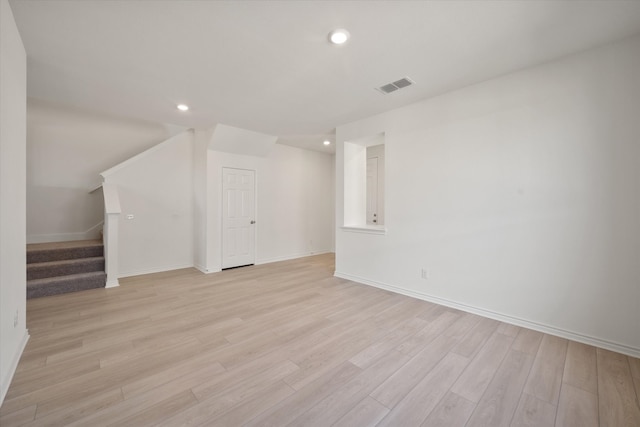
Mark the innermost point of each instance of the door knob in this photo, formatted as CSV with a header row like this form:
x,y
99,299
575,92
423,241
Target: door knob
x,y
253,222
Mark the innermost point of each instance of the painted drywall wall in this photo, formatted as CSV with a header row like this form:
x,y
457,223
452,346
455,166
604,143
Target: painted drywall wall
x,y
295,203
67,148
519,197
354,158
241,141
13,294
156,189
200,199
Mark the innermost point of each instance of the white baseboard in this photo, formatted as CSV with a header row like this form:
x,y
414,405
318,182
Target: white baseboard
x,y
205,270
90,234
290,257
95,232
540,327
154,270
61,237
112,284
6,381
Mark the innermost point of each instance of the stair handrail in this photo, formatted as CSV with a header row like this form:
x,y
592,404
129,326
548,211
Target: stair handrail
x,y
112,212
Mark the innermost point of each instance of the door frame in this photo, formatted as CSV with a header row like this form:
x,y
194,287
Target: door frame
x,y
255,214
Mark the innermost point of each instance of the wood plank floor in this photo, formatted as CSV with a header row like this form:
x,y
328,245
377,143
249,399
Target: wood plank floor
x,y
289,344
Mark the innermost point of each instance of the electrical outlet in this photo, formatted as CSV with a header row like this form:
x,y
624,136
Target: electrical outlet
x,y
15,319
424,274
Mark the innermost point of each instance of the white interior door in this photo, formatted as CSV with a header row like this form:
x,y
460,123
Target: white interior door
x,y
372,191
238,217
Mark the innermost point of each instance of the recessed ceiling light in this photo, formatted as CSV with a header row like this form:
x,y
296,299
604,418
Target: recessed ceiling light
x,y
327,142
339,36
183,107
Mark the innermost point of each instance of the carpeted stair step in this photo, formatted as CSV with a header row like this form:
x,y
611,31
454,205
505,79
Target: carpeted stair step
x,y
63,284
65,267
40,253
60,267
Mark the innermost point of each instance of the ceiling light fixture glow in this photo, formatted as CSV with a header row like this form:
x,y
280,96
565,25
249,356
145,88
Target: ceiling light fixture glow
x,y
327,142
183,107
339,36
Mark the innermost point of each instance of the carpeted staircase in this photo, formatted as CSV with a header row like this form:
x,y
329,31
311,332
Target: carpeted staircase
x,y
61,267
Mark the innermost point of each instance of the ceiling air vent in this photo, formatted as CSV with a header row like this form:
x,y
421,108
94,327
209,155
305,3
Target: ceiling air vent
x,y
398,84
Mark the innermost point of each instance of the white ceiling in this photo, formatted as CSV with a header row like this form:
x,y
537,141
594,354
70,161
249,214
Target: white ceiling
x,y
267,66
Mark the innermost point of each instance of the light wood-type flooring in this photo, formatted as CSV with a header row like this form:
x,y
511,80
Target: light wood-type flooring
x,y
289,344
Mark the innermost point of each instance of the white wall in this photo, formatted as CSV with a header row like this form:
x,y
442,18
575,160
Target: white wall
x,y
520,196
156,187
200,199
354,157
13,86
241,141
67,148
295,202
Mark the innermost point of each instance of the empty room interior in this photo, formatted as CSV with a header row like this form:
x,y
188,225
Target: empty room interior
x,y
319,213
